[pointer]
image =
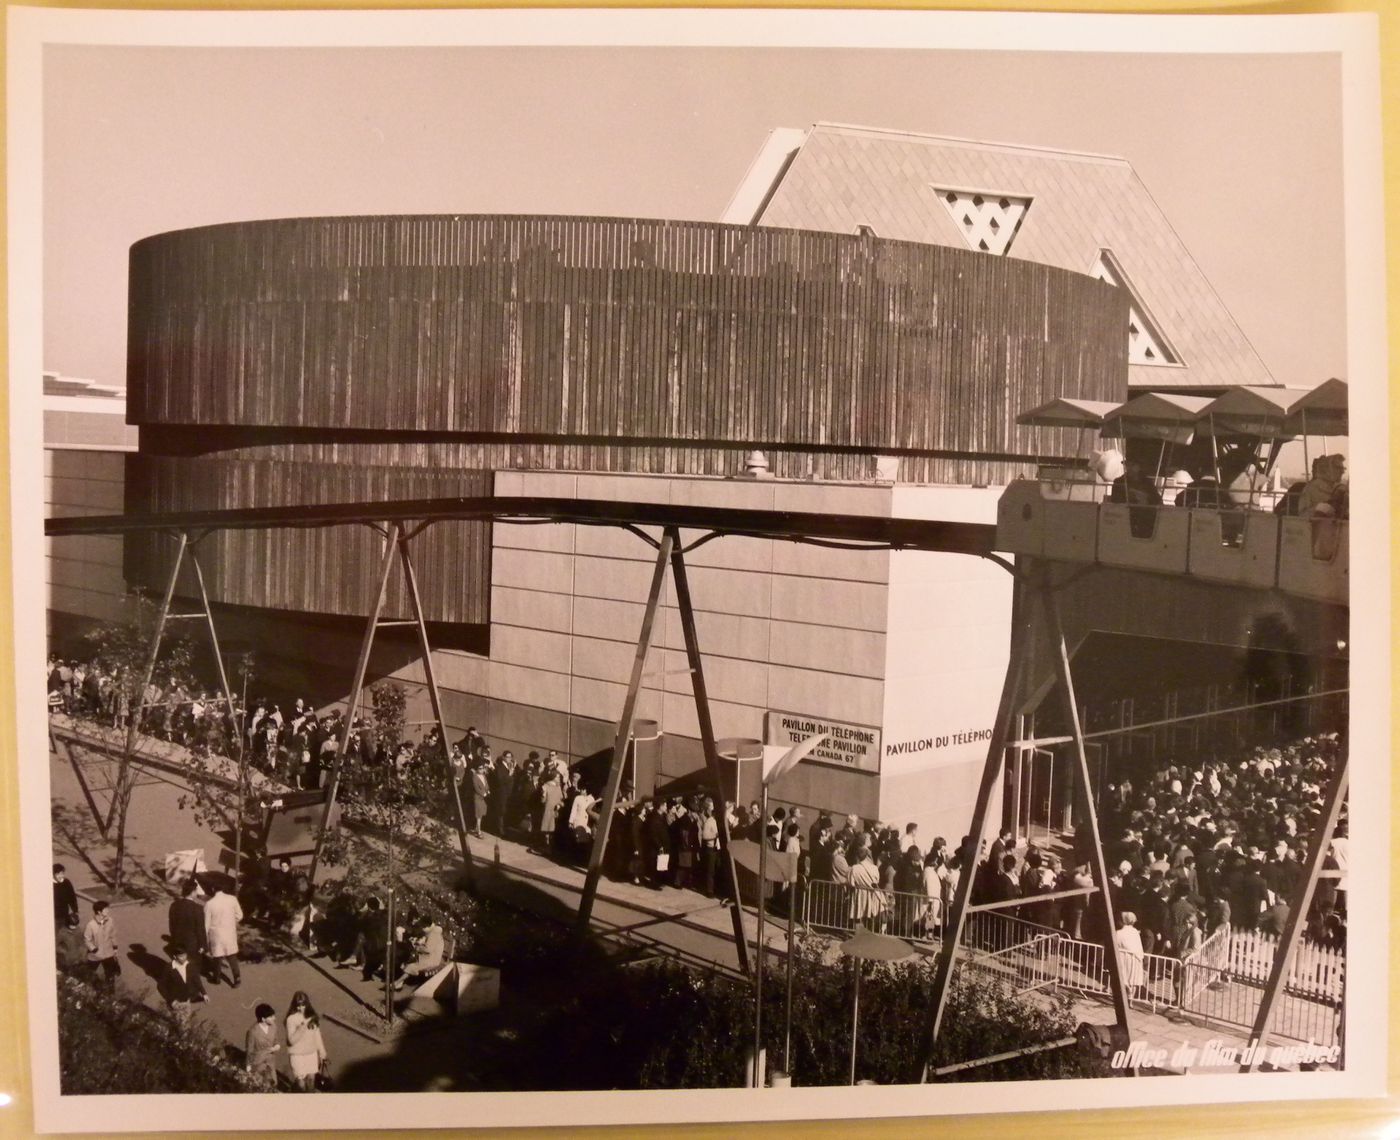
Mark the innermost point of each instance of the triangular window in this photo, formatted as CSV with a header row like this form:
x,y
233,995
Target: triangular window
x,y
988,221
1147,344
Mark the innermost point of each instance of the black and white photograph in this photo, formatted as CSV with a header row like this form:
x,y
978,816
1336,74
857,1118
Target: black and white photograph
x,y
724,555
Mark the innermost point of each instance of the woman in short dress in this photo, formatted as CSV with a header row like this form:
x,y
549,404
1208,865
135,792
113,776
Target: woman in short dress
x,y
305,1050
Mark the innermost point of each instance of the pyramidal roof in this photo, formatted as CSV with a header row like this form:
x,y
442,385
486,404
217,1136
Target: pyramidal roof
x,y
1084,212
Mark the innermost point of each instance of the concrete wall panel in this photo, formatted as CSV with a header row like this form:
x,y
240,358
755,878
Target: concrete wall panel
x,y
852,700
824,601
531,609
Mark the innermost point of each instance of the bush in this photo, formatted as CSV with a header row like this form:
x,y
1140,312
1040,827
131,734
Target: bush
x,y
666,1026
108,1043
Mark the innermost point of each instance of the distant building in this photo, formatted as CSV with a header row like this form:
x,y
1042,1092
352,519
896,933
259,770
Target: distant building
x,y
86,441
1085,212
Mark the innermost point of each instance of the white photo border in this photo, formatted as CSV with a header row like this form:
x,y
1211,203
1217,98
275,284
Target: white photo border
x,y
1352,37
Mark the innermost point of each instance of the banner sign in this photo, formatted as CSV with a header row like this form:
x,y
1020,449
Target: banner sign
x,y
854,746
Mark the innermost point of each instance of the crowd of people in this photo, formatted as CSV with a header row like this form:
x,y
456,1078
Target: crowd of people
x,y
1189,848
1323,498
1323,495
298,746
1227,841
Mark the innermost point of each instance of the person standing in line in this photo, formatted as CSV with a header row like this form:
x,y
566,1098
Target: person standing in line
x,y
1128,941
222,914
186,920
100,938
658,846
709,846
260,1046
481,797
867,902
582,814
502,787
551,800
65,896
306,1051
685,845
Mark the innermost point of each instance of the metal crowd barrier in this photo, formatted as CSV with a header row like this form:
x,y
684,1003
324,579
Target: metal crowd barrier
x,y
1223,981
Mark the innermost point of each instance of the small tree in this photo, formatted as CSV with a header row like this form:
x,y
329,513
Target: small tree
x,y
122,650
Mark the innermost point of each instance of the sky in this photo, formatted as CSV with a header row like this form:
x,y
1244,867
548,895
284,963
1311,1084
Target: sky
x,y
1243,153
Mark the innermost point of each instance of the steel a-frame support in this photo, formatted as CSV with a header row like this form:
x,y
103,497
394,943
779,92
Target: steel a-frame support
x,y
707,741
396,548
123,785
185,548
1033,602
1298,907
1088,813
623,737
668,551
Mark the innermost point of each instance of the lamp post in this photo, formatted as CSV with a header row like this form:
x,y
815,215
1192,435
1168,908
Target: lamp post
x,y
863,946
784,764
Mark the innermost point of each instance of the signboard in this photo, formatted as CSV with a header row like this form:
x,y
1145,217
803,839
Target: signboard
x,y
179,864
854,746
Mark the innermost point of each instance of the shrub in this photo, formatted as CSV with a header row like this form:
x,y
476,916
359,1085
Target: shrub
x,y
109,1043
667,1026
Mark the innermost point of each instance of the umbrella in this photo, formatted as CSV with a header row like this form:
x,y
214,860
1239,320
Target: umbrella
x,y
791,758
867,946
784,764
1250,415
211,881
1063,411
1156,415
1323,411
777,866
1249,411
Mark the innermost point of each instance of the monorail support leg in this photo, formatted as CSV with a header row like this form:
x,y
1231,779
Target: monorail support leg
x,y
228,704
1299,906
1089,818
391,543
425,649
707,741
956,919
213,632
122,791
624,735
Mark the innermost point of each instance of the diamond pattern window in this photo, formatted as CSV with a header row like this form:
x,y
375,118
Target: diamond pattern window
x,y
1147,344
987,220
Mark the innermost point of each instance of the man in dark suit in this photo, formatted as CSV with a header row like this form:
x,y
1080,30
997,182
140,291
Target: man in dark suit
x,y
181,985
502,792
186,918
823,853
374,939
985,887
1004,886
65,896
658,843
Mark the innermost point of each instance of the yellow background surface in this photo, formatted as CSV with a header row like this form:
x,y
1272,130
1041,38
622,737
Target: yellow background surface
x,y
1376,1117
